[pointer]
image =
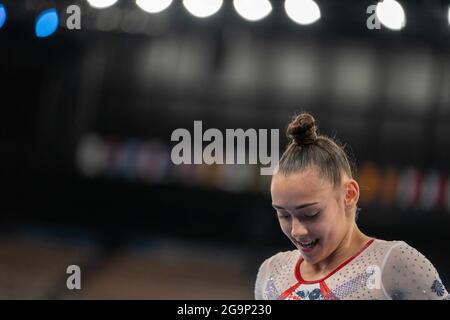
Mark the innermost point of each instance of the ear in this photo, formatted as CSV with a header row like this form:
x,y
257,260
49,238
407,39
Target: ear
x,y
351,198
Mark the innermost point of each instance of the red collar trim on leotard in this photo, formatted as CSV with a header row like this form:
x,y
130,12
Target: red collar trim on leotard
x,y
301,280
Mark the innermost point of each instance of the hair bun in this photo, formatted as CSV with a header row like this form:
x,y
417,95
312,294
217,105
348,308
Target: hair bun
x,y
302,130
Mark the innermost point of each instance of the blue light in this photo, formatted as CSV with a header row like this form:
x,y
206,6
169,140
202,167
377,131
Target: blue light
x,y
2,15
46,23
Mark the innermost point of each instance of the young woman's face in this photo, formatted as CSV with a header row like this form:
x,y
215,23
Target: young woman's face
x,y
311,212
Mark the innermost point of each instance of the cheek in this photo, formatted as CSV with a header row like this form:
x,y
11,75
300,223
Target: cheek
x,y
285,226
330,227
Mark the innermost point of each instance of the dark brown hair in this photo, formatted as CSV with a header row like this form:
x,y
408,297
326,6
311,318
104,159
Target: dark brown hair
x,y
306,147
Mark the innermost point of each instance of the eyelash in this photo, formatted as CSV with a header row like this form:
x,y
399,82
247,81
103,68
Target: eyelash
x,y
313,216
282,216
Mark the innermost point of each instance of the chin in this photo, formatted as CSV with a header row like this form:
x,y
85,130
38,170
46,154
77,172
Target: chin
x,y
312,257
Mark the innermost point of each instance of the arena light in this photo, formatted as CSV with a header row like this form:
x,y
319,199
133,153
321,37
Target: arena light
x,y
391,14
302,11
46,23
253,10
448,15
2,15
202,8
100,4
153,6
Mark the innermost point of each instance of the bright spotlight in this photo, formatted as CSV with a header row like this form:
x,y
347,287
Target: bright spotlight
x,y
391,14
253,10
448,15
153,6
302,11
46,23
2,15
100,4
202,8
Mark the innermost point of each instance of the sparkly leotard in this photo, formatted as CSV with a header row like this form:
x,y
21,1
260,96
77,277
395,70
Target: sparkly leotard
x,y
380,270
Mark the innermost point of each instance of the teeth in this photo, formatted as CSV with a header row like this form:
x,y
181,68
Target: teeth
x,y
308,244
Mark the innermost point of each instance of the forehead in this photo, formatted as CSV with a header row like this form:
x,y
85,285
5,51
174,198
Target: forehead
x,y
300,186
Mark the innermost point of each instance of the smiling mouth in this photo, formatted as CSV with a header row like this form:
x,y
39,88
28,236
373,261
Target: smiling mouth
x,y
308,245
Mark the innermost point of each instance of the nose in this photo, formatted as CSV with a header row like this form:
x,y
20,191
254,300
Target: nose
x,y
298,230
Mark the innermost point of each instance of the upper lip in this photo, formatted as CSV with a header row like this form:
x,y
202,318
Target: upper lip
x,y
306,241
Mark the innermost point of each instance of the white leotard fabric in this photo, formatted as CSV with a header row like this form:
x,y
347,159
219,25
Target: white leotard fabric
x,y
380,270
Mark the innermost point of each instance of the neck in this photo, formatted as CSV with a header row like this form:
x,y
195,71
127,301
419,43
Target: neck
x,y
349,246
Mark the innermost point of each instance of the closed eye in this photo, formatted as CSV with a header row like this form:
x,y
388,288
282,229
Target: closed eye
x,y
282,215
312,216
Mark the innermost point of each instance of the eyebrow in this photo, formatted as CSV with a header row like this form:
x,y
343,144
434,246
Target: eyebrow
x,y
302,206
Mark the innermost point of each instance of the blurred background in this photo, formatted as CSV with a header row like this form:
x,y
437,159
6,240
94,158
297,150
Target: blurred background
x,y
87,115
